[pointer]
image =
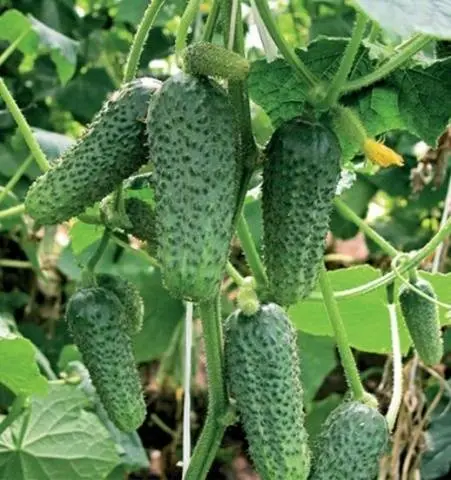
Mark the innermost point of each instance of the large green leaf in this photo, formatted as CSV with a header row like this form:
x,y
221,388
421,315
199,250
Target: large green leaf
x,y
432,17
365,317
40,39
56,439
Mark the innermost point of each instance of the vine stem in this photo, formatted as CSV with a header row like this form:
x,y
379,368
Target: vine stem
x,y
12,211
6,262
213,430
446,211
395,402
15,411
347,359
417,43
140,38
414,260
211,21
187,19
187,387
16,177
5,55
23,126
250,251
347,60
290,56
350,215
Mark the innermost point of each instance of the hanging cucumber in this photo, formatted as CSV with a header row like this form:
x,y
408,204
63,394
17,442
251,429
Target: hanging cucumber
x,y
263,374
299,181
111,149
96,320
193,145
422,320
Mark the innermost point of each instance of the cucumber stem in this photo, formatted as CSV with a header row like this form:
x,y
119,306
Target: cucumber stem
x,y
410,48
234,274
16,177
24,127
91,265
250,251
347,60
212,431
140,39
12,211
212,20
182,33
346,356
350,215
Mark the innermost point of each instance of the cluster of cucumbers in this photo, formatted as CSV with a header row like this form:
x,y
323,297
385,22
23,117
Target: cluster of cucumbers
x,y
187,129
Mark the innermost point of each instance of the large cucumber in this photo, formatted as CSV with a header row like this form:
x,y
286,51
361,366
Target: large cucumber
x,y
299,181
96,320
351,442
111,149
263,374
193,145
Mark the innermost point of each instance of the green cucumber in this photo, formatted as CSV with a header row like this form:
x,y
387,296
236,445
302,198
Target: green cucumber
x,y
193,145
351,443
143,222
111,149
263,375
422,320
129,296
95,318
299,181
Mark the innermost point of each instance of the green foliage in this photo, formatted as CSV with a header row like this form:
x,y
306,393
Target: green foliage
x,y
351,443
262,370
303,159
196,175
130,298
110,151
76,444
422,320
96,319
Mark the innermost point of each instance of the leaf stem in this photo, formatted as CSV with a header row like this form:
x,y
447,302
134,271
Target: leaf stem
x,y
16,177
213,430
185,22
414,45
347,60
288,53
15,411
8,263
396,398
347,359
5,55
24,127
13,211
212,20
350,215
252,257
140,39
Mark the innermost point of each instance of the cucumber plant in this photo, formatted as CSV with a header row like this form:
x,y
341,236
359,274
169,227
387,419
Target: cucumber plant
x,y
196,135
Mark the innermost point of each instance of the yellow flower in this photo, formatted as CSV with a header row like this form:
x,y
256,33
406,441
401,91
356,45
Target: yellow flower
x,y
380,154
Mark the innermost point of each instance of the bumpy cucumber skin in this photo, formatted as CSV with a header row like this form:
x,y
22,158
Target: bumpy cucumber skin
x,y
193,145
111,149
95,319
422,320
130,298
263,374
350,444
299,181
143,222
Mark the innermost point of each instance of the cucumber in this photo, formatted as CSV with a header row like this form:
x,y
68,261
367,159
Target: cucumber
x,y
299,181
263,375
193,145
143,222
351,442
111,149
95,318
422,320
130,298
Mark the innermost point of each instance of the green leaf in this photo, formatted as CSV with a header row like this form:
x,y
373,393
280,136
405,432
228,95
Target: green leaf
x,y
18,368
318,414
58,440
275,87
83,235
365,316
432,17
40,39
425,98
318,358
